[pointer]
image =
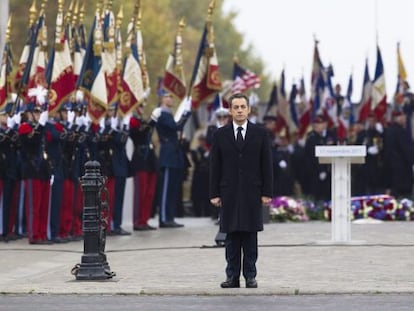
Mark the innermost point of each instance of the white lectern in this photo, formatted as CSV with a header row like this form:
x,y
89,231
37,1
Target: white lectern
x,y
340,158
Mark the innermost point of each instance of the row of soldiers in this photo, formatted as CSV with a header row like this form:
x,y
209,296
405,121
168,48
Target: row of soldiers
x,y
42,158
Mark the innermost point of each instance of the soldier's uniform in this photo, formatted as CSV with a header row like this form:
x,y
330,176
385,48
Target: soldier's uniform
x,y
171,163
8,176
144,171
319,174
36,179
369,175
398,159
54,137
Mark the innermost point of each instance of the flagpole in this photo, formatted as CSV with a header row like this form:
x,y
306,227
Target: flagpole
x,y
205,32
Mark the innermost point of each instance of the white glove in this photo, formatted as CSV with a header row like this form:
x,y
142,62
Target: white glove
x,y
79,121
10,122
282,164
71,117
322,176
147,92
114,123
87,121
290,148
17,118
379,128
156,114
43,117
373,150
125,121
101,125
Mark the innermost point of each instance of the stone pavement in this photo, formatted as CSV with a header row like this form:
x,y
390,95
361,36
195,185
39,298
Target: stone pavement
x,y
185,262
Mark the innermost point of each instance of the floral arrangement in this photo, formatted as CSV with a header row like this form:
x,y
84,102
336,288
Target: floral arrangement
x,y
287,209
381,206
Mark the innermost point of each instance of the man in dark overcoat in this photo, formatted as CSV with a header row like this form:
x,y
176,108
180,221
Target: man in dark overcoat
x,y
241,181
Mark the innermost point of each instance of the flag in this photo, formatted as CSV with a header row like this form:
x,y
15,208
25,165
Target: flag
x,y
379,96
243,79
317,85
61,79
131,82
282,106
142,59
109,58
328,101
402,76
294,125
364,107
92,77
273,100
174,79
206,79
346,117
5,70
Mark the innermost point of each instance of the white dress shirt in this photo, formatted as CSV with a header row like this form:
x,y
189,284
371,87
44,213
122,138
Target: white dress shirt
x,y
244,126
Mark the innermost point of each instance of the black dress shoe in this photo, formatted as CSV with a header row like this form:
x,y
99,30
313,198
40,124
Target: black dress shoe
x,y
60,240
251,283
170,224
230,283
120,231
144,228
41,242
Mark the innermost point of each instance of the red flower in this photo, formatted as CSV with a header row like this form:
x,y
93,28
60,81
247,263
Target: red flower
x,y
134,123
25,128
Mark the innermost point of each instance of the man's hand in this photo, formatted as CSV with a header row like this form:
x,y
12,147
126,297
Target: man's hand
x,y
216,202
266,200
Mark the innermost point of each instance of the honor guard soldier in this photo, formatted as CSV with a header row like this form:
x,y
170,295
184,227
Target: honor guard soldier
x,y
8,174
120,163
35,173
171,159
319,174
143,169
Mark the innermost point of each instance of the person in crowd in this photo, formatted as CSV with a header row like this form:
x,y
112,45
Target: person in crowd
x,y
319,175
8,174
143,169
171,159
35,173
200,180
370,173
282,166
398,157
241,181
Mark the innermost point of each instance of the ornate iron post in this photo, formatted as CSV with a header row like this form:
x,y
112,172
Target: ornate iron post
x,y
94,265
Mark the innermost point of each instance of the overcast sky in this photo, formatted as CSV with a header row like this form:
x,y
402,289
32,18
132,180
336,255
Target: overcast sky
x,y
282,33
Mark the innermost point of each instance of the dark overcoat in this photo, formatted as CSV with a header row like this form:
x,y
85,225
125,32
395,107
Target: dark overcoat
x,y
240,176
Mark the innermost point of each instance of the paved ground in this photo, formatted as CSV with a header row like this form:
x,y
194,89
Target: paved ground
x,y
184,262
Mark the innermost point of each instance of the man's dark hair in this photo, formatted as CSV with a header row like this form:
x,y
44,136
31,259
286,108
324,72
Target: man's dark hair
x,y
238,95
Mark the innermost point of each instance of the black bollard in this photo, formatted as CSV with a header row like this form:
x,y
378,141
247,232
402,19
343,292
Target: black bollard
x,y
94,265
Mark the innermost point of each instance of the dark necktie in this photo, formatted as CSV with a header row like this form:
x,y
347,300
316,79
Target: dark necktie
x,y
239,136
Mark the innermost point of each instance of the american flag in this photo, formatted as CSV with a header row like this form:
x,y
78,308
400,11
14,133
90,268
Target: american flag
x,y
243,79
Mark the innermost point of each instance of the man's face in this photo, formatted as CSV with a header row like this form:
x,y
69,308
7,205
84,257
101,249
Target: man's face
x,y
239,110
167,101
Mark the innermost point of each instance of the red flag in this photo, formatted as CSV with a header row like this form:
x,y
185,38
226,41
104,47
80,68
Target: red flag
x,y
131,81
379,95
62,80
5,71
206,80
174,80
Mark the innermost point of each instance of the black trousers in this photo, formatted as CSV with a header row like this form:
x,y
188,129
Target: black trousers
x,y
236,242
